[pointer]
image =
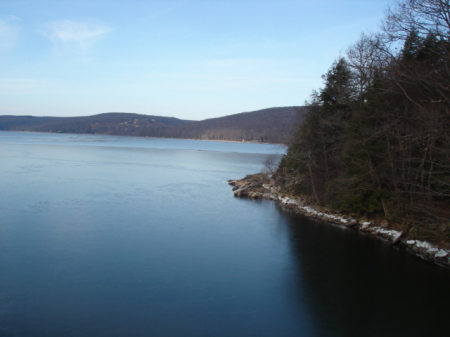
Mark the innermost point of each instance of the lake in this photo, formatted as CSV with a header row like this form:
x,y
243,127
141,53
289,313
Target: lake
x,y
122,236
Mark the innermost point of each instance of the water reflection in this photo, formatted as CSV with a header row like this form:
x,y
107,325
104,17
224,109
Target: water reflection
x,y
356,285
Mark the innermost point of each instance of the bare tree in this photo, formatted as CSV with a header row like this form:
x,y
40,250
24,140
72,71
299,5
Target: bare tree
x,y
271,164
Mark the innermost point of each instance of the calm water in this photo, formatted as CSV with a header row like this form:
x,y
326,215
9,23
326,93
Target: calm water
x,y
121,236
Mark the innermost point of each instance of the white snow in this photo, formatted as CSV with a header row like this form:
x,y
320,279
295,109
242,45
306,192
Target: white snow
x,y
312,211
432,251
393,234
389,232
423,244
288,201
441,253
397,236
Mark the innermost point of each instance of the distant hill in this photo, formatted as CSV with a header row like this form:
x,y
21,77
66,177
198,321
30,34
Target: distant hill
x,y
274,125
116,123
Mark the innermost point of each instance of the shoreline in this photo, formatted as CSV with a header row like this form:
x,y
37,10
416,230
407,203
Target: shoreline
x,y
134,136
259,186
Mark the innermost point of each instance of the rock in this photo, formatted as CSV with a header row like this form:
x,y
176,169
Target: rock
x,y
242,192
257,184
364,227
255,195
275,190
351,223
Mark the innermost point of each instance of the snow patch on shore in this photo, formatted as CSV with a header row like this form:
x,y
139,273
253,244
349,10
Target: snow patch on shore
x,y
312,211
428,248
422,248
389,232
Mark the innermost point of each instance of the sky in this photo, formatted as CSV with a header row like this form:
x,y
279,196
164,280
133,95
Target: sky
x,y
189,59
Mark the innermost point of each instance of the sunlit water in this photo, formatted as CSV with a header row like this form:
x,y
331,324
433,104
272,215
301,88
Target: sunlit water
x,y
121,236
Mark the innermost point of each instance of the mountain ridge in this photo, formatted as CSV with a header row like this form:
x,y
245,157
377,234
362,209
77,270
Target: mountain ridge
x,y
272,125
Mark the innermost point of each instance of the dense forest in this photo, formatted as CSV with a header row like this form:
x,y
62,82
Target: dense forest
x,y
376,136
273,125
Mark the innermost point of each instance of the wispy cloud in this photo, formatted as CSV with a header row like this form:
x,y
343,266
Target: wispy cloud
x,y
9,32
75,36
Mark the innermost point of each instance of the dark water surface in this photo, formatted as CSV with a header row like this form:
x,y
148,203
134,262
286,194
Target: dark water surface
x,y
121,236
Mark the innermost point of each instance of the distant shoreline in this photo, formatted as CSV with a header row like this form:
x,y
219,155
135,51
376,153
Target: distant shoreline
x,y
130,136
272,125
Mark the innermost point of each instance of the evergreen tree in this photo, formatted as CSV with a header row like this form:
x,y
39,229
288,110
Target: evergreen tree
x,y
376,138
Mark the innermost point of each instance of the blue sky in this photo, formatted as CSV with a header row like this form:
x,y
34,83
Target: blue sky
x,y
190,59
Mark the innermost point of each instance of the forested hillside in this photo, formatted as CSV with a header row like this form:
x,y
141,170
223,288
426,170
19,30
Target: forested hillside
x,y
108,123
274,125
376,137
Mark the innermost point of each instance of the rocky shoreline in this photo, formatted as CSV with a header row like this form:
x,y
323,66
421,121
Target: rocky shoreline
x,y
261,186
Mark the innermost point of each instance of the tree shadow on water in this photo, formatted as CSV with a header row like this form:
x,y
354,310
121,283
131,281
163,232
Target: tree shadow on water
x,y
356,285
